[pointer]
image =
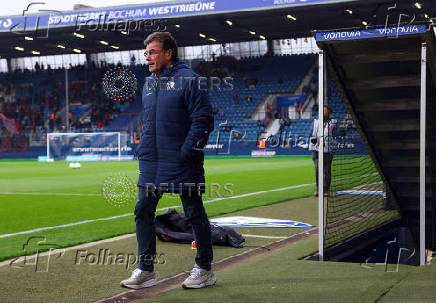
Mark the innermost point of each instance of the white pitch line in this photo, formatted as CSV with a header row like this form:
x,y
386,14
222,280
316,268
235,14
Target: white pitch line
x,y
259,192
169,196
264,237
160,209
64,250
47,194
64,225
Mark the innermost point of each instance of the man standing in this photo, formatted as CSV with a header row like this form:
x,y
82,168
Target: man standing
x,y
329,135
178,119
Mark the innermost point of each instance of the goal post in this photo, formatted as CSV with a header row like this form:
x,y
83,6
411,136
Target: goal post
x,y
84,146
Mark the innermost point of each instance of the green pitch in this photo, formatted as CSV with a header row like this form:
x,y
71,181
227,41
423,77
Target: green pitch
x,y
48,195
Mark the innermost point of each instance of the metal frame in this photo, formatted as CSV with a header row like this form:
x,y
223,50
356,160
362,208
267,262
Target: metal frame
x,y
67,103
422,149
321,82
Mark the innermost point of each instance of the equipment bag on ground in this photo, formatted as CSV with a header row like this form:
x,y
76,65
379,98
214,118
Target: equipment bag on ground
x,y
173,226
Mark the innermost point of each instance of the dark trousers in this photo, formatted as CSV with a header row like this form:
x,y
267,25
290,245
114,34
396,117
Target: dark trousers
x,y
328,158
146,233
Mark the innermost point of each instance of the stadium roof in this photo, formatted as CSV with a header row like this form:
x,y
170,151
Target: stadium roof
x,y
195,23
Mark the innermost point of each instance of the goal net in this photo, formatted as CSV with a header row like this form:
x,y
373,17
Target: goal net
x,y
86,146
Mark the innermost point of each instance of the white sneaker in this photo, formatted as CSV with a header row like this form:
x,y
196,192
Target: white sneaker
x,y
199,278
139,279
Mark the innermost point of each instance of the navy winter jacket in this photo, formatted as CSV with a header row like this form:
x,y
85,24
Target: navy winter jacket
x,y
176,126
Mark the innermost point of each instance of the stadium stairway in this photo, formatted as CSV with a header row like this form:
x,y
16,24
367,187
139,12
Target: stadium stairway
x,y
275,75
128,119
381,89
130,115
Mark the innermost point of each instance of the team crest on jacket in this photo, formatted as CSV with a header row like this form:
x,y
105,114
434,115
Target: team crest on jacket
x,y
170,85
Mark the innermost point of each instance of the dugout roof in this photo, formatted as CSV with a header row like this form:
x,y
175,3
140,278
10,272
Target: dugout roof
x,y
251,20
382,88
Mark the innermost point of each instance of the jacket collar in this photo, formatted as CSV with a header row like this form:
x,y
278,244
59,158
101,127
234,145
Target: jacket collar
x,y
166,71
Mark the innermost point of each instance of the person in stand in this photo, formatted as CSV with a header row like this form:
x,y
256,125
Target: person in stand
x,y
235,96
299,109
52,121
177,119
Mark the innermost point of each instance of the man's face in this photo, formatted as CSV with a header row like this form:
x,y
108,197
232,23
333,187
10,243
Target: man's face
x,y
157,58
